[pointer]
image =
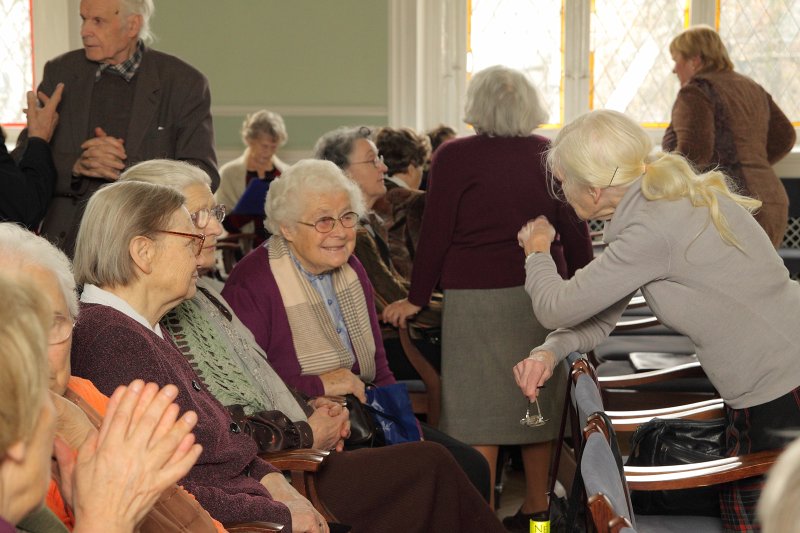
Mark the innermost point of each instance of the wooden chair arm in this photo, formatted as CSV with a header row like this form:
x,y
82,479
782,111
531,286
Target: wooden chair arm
x,y
707,412
701,474
634,324
303,466
688,370
430,377
253,527
304,460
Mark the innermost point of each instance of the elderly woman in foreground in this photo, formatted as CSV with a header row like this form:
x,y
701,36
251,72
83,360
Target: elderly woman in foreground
x,y
133,271
482,189
359,487
308,301
702,262
148,451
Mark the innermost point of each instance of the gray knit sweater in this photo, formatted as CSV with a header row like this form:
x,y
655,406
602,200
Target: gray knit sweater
x,y
740,309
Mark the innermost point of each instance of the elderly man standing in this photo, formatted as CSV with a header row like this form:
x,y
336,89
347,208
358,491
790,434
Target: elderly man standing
x,y
123,103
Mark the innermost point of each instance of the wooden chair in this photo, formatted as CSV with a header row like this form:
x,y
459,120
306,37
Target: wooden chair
x,y
233,247
427,399
607,492
607,482
302,467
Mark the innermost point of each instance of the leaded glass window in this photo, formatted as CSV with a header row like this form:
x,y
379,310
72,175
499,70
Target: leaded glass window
x,y
16,59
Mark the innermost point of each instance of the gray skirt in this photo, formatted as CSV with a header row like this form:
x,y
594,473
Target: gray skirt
x,y
485,332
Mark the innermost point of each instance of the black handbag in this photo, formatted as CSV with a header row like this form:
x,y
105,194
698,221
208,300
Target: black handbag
x,y
365,432
675,441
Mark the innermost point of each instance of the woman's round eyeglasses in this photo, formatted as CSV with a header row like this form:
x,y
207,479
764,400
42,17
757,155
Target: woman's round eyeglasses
x,y
201,218
376,162
326,224
198,239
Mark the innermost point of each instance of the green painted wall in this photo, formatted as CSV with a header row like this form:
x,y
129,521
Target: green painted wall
x,y
272,53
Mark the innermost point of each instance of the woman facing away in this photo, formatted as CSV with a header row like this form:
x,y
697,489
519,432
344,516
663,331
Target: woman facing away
x,y
724,119
482,189
702,262
354,485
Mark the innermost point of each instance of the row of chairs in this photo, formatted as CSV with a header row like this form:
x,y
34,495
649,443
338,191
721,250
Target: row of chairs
x,y
607,483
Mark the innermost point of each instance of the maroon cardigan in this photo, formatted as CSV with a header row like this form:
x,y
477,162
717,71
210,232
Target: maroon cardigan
x,y
253,294
111,349
482,190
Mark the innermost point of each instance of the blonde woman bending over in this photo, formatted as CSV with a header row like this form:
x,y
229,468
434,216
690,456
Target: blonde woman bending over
x,y
702,262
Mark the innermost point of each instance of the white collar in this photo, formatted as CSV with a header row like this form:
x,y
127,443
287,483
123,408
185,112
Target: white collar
x,y
92,294
398,181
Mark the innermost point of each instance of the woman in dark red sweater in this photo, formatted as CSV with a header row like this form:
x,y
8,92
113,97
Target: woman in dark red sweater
x,y
480,188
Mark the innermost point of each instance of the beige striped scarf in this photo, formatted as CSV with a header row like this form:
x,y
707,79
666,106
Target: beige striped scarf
x,y
319,348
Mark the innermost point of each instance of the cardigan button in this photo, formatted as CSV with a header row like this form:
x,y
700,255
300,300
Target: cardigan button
x,y
235,428
196,385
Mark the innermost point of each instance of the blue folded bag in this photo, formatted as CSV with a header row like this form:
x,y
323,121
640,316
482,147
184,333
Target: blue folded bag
x,y
391,407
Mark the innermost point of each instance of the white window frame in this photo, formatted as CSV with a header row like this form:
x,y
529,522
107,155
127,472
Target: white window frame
x,y
427,65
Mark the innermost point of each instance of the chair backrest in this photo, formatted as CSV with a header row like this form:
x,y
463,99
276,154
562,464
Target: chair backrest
x,y
607,493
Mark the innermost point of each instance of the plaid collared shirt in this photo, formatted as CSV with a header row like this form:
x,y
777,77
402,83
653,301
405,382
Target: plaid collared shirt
x,y
127,69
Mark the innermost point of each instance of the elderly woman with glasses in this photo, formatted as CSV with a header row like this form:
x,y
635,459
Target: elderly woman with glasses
x,y
133,272
482,188
308,300
236,371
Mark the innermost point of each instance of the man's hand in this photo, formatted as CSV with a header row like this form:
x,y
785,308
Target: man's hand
x,y
103,156
42,120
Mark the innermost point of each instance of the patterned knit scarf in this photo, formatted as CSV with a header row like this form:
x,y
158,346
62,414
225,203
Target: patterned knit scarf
x,y
319,348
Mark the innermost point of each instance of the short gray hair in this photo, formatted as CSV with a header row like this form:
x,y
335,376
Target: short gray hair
x,y
337,145
267,123
116,214
286,196
176,174
143,8
19,246
502,102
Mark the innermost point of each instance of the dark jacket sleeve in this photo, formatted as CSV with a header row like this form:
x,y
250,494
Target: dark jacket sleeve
x,y
28,186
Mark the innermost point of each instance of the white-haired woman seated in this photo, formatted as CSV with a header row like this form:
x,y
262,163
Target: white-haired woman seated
x,y
308,300
136,256
140,445
702,262
237,372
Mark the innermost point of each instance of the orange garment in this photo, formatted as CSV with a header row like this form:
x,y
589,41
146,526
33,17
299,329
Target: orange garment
x,y
98,401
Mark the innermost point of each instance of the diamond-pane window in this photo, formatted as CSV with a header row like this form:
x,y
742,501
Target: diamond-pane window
x,y
521,34
630,60
763,41
16,59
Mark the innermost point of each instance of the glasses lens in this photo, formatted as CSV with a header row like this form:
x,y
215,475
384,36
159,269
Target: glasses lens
x,y
349,220
200,218
325,225
219,212
378,161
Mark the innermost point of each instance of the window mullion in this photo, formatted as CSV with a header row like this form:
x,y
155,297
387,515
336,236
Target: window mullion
x,y
577,73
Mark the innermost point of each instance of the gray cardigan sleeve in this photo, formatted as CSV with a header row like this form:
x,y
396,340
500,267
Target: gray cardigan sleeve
x,y
584,309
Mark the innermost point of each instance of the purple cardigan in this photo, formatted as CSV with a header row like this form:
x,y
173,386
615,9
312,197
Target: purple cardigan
x,y
482,190
252,292
112,349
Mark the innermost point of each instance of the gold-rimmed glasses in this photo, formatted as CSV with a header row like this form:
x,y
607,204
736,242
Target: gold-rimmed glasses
x,y
198,239
326,224
377,161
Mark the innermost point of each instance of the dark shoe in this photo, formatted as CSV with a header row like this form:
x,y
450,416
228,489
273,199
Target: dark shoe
x,y
518,523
